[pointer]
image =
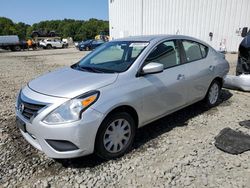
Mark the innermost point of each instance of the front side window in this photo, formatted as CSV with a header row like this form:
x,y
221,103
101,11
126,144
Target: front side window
x,y
194,51
113,56
166,53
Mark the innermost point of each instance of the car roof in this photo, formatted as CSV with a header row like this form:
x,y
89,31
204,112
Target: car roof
x,y
143,38
160,37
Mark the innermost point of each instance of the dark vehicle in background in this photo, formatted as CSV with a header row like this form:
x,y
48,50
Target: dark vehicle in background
x,y
243,65
41,33
77,43
90,44
12,42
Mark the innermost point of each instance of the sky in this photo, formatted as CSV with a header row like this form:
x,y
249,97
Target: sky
x,y
32,11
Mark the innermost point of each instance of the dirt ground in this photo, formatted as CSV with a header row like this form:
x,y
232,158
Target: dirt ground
x,y
175,151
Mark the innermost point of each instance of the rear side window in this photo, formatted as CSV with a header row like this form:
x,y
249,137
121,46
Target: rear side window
x,y
194,51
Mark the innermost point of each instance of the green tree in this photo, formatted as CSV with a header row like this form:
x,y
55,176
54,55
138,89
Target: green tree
x,y
7,27
77,29
21,30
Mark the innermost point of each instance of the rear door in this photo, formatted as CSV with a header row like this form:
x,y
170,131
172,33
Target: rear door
x,y
57,43
200,69
164,92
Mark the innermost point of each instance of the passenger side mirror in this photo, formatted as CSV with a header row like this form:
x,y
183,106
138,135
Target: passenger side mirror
x,y
152,68
244,32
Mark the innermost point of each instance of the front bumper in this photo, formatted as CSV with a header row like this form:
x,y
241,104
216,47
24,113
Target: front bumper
x,y
81,133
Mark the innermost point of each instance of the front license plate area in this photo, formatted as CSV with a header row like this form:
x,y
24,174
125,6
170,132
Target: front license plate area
x,y
21,124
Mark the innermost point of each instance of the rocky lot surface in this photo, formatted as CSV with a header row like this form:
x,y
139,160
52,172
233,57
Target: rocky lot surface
x,y
175,151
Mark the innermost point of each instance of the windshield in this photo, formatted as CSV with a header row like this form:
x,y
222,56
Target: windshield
x,y
112,57
86,41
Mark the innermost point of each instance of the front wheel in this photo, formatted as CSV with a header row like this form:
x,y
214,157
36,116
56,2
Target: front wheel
x,y
115,136
213,94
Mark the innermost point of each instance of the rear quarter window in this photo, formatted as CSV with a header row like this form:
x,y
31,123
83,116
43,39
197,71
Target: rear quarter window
x,y
194,51
204,50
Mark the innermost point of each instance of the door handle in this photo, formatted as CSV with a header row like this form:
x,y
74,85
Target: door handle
x,y
211,68
180,77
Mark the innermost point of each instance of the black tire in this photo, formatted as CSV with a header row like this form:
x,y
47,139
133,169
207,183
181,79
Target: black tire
x,y
34,35
17,48
208,101
48,46
63,46
52,34
100,149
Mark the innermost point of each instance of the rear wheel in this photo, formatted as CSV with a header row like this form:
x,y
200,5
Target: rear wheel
x,y
16,48
213,94
48,46
115,136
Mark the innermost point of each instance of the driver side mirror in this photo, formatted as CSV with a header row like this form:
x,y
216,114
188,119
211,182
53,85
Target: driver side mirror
x,y
152,68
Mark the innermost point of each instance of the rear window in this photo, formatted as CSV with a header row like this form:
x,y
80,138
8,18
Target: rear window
x,y
194,51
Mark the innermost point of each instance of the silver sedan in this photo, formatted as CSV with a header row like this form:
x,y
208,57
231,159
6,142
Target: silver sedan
x,y
97,104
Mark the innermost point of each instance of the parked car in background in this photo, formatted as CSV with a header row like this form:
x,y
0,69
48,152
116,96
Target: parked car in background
x,y
52,43
90,44
41,33
77,43
97,104
243,64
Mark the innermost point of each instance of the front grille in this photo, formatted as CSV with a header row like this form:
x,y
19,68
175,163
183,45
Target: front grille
x,y
28,110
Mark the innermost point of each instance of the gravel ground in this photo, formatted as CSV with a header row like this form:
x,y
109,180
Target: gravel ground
x,y
175,151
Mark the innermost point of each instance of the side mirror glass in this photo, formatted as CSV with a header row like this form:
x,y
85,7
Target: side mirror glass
x,y
244,32
152,68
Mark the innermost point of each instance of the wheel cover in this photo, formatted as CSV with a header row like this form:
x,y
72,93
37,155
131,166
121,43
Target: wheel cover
x,y
117,135
213,93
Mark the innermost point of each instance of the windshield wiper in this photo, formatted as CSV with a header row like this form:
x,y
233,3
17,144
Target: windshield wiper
x,y
89,69
93,69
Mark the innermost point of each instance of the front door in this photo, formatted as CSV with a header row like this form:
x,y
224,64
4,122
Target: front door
x,y
164,92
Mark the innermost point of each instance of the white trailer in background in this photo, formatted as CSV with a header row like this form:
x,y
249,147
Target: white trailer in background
x,y
10,42
218,22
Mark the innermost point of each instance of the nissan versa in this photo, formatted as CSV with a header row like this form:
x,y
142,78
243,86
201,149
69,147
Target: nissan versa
x,y
97,104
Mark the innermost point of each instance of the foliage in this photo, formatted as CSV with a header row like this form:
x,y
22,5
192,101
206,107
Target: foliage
x,y
77,29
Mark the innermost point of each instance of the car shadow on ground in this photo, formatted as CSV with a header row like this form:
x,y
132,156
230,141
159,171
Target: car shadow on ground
x,y
153,130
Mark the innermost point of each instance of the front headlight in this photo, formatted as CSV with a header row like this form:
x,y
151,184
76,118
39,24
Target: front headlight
x,y
71,110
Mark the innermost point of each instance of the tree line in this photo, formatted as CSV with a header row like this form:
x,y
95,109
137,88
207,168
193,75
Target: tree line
x,y
77,29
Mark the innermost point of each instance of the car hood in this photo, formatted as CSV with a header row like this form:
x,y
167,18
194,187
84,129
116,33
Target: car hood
x,y
69,83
